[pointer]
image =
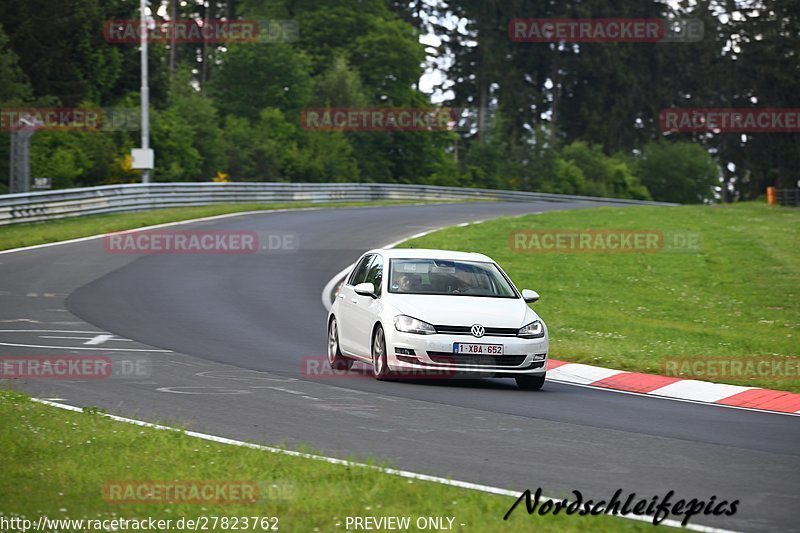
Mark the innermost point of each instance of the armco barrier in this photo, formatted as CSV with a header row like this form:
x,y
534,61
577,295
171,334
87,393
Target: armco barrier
x,y
48,205
788,197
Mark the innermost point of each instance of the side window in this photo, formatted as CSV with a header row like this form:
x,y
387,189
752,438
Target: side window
x,y
359,274
375,274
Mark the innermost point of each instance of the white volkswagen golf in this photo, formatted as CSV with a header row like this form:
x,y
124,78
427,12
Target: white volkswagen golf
x,y
413,312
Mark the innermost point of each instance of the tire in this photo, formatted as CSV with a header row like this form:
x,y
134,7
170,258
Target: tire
x,y
380,367
335,357
530,382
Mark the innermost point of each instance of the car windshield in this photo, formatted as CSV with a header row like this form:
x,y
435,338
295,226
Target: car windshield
x,y
447,277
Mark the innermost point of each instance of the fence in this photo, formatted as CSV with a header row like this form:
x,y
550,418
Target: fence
x,y
788,196
48,205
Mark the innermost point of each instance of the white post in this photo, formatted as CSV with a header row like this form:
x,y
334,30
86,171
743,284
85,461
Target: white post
x,y
145,93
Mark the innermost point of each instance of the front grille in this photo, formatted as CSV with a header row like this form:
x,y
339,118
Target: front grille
x,y
465,330
450,358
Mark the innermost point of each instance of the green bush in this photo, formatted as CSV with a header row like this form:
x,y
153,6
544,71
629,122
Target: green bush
x,y
680,172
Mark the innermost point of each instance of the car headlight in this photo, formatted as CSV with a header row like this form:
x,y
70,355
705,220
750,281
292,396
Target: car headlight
x,y
534,330
408,324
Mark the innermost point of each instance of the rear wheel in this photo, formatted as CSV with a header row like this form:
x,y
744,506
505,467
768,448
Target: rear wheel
x,y
335,357
380,368
530,382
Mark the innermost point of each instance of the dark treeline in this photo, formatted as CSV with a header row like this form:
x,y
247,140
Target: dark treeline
x,y
553,117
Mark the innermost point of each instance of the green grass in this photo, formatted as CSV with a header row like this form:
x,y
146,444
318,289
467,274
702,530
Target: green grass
x,y
737,296
29,234
56,463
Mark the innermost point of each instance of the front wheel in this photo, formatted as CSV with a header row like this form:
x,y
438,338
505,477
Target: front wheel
x,y
335,357
380,368
530,382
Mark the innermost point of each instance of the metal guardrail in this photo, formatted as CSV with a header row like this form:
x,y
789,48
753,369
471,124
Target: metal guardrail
x,y
788,197
49,205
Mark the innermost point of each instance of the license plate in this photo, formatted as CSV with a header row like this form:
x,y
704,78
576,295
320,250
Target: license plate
x,y
477,349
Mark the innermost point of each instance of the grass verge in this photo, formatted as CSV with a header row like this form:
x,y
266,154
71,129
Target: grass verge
x,y
29,234
56,463
735,295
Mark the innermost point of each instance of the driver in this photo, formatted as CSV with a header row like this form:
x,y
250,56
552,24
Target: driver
x,y
463,281
408,282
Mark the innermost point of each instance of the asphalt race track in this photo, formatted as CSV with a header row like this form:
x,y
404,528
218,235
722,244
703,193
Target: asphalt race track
x,y
225,337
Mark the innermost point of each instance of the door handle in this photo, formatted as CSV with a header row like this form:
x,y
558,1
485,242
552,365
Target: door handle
x,y
341,296
354,300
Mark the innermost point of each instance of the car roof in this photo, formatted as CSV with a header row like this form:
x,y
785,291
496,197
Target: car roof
x,y
424,253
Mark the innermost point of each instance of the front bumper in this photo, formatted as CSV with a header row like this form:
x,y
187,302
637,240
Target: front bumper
x,y
432,353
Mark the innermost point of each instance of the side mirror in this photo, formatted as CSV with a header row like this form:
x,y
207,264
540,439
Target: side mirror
x,y
529,296
365,289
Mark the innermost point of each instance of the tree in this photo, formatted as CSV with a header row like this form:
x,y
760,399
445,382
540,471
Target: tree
x,y
16,87
389,59
326,157
254,76
62,49
60,156
14,90
173,139
276,146
200,114
680,172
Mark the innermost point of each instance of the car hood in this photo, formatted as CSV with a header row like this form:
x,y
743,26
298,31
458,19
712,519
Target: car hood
x,y
465,310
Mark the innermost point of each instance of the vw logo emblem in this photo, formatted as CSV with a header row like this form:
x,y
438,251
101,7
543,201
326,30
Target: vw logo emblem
x,y
477,331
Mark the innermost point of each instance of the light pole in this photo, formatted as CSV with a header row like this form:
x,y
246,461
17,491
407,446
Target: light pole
x,y
146,164
20,165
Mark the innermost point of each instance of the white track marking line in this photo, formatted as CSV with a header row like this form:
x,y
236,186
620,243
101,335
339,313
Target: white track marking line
x,y
60,337
282,389
343,462
49,331
81,348
100,339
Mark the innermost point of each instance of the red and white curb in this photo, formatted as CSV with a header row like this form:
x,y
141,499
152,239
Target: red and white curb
x,y
690,390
